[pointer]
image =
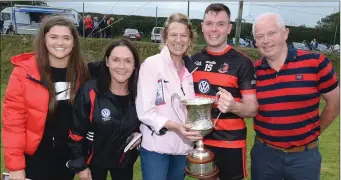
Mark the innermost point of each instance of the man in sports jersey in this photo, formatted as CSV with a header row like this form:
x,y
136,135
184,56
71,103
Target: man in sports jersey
x,y
223,69
289,85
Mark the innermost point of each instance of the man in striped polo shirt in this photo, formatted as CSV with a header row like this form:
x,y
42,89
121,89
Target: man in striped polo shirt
x,y
289,85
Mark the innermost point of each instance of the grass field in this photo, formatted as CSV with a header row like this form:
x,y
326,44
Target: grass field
x,y
329,147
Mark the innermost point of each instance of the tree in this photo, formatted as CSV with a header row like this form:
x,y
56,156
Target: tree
x,y
4,4
329,22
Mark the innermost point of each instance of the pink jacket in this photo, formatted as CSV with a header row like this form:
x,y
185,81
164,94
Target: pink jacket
x,y
154,111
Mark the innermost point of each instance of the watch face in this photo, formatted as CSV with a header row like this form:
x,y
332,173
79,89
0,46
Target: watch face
x,y
5,176
163,131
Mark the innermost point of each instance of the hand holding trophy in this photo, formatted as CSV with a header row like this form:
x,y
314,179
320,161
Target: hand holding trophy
x,y
200,162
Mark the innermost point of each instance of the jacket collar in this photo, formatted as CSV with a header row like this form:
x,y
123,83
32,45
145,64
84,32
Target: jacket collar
x,y
188,62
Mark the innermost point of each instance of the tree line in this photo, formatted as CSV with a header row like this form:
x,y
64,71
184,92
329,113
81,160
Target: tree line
x,y
322,32
326,30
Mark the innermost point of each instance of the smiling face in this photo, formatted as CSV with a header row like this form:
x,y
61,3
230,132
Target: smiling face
x,y
59,43
270,37
216,27
121,64
178,38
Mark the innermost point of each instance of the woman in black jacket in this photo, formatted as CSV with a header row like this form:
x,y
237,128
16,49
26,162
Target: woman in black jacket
x,y
105,117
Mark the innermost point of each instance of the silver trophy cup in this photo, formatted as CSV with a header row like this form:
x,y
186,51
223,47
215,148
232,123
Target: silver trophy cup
x,y
200,161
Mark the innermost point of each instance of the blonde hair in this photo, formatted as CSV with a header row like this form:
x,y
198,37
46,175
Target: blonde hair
x,y
183,19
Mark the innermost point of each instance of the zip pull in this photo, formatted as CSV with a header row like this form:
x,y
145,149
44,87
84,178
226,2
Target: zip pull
x,y
53,143
182,90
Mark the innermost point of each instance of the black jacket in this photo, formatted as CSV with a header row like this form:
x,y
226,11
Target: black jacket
x,y
100,138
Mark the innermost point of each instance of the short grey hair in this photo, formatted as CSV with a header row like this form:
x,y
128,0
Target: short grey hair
x,y
278,19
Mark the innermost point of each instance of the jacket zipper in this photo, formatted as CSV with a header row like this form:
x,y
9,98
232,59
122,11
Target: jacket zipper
x,y
182,89
53,143
183,92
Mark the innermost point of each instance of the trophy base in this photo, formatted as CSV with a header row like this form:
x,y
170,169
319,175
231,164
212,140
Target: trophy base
x,y
212,176
201,168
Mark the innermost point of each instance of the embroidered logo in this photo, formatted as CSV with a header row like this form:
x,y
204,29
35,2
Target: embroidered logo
x,y
105,114
299,77
223,68
204,86
198,63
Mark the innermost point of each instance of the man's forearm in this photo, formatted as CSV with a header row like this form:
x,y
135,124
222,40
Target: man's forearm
x,y
246,110
328,115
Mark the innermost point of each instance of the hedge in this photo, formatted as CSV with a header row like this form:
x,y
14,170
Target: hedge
x,y
94,49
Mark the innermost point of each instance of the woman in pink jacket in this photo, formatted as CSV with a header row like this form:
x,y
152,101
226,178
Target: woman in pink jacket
x,y
166,139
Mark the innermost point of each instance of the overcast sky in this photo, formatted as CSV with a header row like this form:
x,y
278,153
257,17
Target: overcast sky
x,y
293,13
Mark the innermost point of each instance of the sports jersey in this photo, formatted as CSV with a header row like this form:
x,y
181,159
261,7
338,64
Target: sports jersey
x,y
234,72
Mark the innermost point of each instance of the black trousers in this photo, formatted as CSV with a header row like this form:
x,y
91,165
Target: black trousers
x,y
100,173
49,161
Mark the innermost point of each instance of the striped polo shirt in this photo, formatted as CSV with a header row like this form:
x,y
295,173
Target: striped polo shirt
x,y
288,114
234,72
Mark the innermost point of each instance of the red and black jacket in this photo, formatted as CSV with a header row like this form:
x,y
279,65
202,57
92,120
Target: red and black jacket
x,y
100,129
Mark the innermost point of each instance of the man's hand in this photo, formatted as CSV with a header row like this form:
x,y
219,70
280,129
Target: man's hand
x,y
226,101
17,175
85,174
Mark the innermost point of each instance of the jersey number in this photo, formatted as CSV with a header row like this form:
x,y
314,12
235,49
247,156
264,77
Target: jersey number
x,y
208,67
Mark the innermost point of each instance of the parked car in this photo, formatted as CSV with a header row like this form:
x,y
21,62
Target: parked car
x,y
242,42
298,45
132,34
322,48
156,34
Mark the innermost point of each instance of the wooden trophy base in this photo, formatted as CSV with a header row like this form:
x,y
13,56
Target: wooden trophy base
x,y
193,163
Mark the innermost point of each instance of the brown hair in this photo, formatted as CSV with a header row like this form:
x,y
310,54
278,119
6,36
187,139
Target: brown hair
x,y
217,7
183,19
77,71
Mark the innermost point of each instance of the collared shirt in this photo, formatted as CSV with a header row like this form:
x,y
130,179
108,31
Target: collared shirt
x,y
288,114
158,81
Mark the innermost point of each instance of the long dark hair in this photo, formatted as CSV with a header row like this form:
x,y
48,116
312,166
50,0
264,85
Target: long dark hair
x,y
77,71
104,78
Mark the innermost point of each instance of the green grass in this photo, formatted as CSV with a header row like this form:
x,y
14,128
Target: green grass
x,y
329,147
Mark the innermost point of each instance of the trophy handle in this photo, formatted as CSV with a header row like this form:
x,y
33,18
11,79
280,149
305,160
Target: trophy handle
x,y
217,96
175,96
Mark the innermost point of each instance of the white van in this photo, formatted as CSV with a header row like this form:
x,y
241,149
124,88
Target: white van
x,y
156,34
26,19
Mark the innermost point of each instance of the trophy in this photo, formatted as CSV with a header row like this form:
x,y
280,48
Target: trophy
x,y
200,162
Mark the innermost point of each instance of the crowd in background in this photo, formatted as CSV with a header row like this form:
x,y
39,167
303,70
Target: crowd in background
x,y
95,28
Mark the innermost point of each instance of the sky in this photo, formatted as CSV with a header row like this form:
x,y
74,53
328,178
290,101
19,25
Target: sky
x,y
293,13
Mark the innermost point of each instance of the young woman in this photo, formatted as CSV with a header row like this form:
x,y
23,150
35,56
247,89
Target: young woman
x,y
105,117
166,139
37,110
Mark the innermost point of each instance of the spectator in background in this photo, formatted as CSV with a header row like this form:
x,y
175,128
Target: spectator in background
x,y
313,45
81,26
89,25
1,24
96,28
102,25
109,28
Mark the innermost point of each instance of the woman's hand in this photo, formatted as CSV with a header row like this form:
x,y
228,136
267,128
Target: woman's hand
x,y
184,129
17,175
85,174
